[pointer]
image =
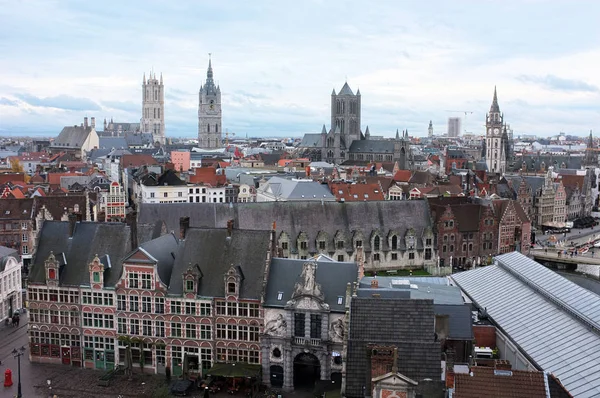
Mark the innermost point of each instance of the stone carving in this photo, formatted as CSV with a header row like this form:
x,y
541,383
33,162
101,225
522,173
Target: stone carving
x,y
308,284
277,326
337,330
306,303
276,354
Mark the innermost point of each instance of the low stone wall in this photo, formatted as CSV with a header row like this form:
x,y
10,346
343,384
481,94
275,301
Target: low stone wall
x,y
593,270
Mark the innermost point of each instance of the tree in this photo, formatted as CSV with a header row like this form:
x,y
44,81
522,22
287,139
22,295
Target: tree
x,y
17,167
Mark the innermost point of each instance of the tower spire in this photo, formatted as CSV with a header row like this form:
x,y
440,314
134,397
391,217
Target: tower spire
x,y
495,108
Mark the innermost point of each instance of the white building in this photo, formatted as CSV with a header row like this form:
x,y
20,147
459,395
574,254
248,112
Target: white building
x,y
162,193
279,189
10,282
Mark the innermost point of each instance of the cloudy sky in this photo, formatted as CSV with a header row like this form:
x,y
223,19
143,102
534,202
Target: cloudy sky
x,y
277,62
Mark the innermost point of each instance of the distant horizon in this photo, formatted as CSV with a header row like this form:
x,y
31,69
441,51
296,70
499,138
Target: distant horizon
x,y
277,63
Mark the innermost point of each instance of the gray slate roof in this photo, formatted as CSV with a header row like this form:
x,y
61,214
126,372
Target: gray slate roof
x,y
215,254
113,142
311,141
296,217
163,249
89,238
71,137
447,299
553,320
297,190
333,277
5,253
346,90
405,324
372,146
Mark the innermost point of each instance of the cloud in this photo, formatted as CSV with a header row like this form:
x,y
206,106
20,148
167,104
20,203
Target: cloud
x,y
128,106
551,82
8,102
62,101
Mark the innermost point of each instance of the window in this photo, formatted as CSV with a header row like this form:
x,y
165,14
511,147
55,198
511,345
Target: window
x,y
284,245
444,249
232,332
146,281
190,308
359,243
376,257
175,329
232,308
411,256
340,244
121,326
134,303
221,308
135,326
340,300
175,307
160,329
427,254
205,332
451,248
394,256
133,280
304,245
221,331
147,327
190,330
205,309
87,319
146,304
231,288
120,302
428,242
26,251
394,242
151,194
315,326
299,330
96,276
165,195
86,297
254,311
159,305
25,238
376,243
242,309
340,257
321,245
189,286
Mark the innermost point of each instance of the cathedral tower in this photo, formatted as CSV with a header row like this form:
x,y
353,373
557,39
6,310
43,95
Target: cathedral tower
x,y
496,139
345,114
209,112
153,108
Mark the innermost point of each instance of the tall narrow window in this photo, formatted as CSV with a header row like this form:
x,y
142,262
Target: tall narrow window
x,y
216,128
208,128
376,243
394,242
315,326
299,330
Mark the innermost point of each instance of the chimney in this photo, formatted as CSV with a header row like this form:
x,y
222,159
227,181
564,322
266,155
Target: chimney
x,y
229,227
360,259
93,123
184,225
72,222
85,122
502,364
374,283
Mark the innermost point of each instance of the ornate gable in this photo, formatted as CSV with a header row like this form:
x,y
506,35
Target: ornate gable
x,y
308,293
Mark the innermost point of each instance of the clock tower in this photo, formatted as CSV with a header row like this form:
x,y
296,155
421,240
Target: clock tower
x,y
495,139
209,112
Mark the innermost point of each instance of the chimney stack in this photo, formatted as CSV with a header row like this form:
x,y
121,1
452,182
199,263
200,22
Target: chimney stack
x,y
374,283
93,123
72,222
229,227
184,225
85,122
502,364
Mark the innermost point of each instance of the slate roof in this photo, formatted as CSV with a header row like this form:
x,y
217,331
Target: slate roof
x,y
534,162
296,217
16,209
215,253
405,324
488,382
332,275
554,321
372,146
297,190
71,137
113,143
346,90
311,141
164,250
447,299
5,253
57,206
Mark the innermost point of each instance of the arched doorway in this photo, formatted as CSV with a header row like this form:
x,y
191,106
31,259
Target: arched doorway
x,y
307,371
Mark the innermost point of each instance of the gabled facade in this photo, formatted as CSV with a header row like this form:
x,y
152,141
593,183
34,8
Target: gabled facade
x,y
11,298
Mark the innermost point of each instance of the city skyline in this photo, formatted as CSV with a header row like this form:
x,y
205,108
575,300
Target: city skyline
x,y
277,63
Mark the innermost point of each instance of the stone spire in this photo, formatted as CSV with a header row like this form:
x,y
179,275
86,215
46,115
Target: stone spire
x,y
495,108
367,133
397,134
209,86
144,81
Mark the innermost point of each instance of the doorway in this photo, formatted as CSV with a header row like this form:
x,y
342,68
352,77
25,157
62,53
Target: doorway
x,y
307,371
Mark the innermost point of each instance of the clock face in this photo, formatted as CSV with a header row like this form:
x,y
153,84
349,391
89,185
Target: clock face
x,y
496,131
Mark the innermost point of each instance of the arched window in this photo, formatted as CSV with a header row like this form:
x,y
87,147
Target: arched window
x,y
216,128
376,243
208,128
394,242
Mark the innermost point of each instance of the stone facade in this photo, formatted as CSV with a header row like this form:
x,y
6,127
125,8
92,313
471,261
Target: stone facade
x,y
209,113
153,108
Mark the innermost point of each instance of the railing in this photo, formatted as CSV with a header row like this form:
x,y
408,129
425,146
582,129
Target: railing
x,y
300,340
305,341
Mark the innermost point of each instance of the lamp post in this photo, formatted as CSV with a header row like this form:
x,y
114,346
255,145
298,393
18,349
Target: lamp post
x,y
18,354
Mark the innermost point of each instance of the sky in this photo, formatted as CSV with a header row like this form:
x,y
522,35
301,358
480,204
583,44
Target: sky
x,y
278,61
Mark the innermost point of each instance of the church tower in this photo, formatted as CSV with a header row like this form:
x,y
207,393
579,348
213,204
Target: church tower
x,y
496,138
591,156
430,129
209,112
345,114
153,108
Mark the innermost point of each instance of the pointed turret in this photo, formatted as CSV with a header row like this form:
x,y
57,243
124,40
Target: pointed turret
x,y
358,92
591,140
161,81
406,134
337,130
333,92
346,90
367,133
398,134
323,130
495,108
144,79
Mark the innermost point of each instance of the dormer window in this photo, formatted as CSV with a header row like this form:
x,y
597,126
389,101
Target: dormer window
x,y
376,243
231,288
96,277
394,242
280,296
51,273
189,286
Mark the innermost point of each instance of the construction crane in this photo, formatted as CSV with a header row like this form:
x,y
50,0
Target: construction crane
x,y
466,113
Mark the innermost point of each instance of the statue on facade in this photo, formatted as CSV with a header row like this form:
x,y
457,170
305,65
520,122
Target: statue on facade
x,y
277,326
337,330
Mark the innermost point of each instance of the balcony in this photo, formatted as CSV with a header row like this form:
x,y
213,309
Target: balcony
x,y
307,342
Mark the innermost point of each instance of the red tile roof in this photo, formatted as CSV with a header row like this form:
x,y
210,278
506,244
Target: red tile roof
x,y
572,181
402,176
489,382
137,160
208,176
356,192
